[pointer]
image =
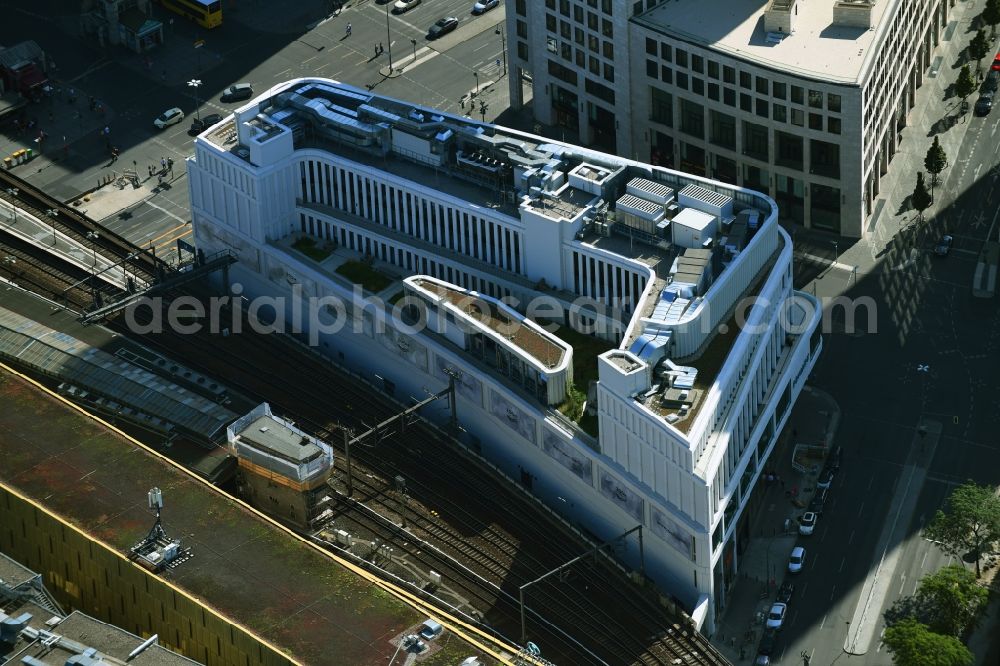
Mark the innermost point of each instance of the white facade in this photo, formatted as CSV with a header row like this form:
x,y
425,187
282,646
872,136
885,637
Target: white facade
x,y
690,398
803,103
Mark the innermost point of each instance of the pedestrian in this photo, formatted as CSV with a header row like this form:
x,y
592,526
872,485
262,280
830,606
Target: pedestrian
x,y
348,29
150,169
170,164
381,49
163,163
135,166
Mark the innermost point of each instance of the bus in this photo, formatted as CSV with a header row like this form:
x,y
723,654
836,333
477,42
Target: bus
x,y
206,13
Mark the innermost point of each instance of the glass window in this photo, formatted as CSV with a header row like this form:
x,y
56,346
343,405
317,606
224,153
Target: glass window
x,y
581,58
578,13
551,4
566,51
595,65
681,57
651,68
789,150
778,112
697,63
522,50
833,125
592,20
755,141
609,73
550,23
661,107
713,91
564,7
520,6
666,74
650,46
777,90
666,52
761,84
608,50
833,102
565,30
606,7
824,158
682,80
815,121
728,74
746,102
762,108
593,43
746,80
692,119
606,28
797,95
578,36
713,69
722,130
729,96
815,99
798,117
697,85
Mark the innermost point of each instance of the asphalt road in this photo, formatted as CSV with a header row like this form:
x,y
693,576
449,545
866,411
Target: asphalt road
x,y
932,359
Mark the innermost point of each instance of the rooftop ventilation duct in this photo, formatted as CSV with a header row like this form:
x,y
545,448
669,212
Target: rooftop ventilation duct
x,y
853,13
780,16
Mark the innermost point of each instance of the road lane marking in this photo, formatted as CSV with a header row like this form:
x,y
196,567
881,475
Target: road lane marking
x,y
842,563
823,622
833,592
166,212
850,539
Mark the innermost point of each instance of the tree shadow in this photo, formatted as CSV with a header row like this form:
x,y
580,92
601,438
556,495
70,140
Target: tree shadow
x,y
905,205
944,124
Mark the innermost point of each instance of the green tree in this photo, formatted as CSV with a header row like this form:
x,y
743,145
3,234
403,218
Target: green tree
x,y
935,162
970,522
955,601
913,644
978,48
991,15
965,85
921,198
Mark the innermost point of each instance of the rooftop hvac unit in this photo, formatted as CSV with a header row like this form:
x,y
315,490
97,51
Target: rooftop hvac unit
x,y
435,577
343,538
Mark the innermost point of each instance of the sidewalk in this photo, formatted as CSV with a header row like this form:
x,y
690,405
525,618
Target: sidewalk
x,y
814,420
932,115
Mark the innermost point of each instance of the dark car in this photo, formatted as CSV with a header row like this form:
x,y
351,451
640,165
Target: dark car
x,y
943,246
984,104
818,500
442,27
825,477
786,591
767,647
199,125
996,63
237,92
992,79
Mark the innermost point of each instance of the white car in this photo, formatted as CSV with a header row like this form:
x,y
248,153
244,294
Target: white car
x,y
483,6
169,117
797,559
807,523
776,615
404,5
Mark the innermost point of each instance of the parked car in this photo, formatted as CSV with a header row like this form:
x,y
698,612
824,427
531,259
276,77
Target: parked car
x,y
237,92
776,615
818,500
169,117
484,6
992,79
825,478
797,559
984,104
404,5
786,591
943,246
442,27
199,125
834,460
767,647
996,63
807,523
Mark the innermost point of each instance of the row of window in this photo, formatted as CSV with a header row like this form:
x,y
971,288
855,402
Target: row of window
x,y
606,7
747,80
411,214
605,282
377,247
757,140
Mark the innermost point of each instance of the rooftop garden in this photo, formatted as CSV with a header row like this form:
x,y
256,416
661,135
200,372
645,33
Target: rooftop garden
x,y
308,247
586,349
362,273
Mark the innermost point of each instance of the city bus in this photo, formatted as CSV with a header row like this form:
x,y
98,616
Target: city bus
x,y
206,13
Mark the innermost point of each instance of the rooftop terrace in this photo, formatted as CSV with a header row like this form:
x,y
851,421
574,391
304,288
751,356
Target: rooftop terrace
x,y
304,601
816,47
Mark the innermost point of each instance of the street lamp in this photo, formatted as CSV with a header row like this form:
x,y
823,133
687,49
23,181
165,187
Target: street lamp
x,y
52,213
503,47
13,192
476,74
92,236
195,83
388,36
483,106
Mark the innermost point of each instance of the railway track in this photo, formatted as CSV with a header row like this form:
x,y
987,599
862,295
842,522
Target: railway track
x,y
35,201
616,622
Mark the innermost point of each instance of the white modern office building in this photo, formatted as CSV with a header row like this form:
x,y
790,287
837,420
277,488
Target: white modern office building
x,y
802,101
484,239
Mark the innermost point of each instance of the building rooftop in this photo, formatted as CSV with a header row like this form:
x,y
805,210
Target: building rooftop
x,y
13,574
816,47
305,602
482,309
78,633
274,435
